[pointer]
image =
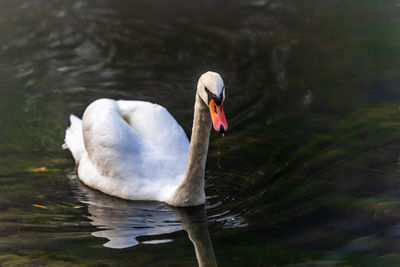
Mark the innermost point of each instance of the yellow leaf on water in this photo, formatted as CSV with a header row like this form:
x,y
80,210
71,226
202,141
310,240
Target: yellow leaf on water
x,y
42,169
39,206
77,207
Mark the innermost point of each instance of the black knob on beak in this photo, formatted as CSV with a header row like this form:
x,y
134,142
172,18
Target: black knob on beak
x,y
221,129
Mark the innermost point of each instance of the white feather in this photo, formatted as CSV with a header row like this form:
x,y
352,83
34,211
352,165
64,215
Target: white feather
x,y
74,138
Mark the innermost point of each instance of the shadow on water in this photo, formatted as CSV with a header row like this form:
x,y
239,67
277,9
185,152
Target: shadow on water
x,y
124,222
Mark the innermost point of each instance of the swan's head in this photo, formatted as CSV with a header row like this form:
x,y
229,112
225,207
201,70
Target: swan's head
x,y
211,90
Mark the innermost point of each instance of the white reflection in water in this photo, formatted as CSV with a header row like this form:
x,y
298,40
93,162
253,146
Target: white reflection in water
x,y
122,222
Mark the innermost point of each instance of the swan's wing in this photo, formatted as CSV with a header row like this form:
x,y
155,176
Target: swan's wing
x,y
111,144
125,138
156,126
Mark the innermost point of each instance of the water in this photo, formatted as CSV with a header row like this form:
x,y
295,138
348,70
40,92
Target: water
x,y
307,173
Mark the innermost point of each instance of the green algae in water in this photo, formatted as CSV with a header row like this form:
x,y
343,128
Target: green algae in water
x,y
354,144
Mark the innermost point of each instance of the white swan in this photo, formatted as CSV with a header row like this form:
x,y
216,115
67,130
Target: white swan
x,y
136,150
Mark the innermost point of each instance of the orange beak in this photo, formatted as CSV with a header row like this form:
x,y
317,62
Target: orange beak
x,y
218,116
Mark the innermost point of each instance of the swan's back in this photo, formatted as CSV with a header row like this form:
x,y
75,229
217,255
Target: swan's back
x,y
155,125
129,149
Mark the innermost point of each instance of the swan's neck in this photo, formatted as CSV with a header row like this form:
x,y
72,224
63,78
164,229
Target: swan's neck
x,y
191,191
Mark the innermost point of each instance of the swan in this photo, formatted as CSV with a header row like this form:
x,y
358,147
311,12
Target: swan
x,y
136,150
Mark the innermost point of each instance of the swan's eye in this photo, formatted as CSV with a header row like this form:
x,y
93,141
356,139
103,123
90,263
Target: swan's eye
x,y
210,95
221,96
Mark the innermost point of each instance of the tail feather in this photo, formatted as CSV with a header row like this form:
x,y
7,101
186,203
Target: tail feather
x,y
74,138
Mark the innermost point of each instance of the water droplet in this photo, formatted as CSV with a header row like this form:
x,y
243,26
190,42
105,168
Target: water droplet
x,y
219,144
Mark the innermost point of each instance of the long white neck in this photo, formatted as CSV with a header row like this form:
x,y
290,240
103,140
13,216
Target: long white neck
x,y
191,191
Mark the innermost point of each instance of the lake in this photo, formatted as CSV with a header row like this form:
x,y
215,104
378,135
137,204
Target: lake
x,y
308,173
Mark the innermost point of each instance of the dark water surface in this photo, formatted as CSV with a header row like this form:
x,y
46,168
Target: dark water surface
x,y
307,173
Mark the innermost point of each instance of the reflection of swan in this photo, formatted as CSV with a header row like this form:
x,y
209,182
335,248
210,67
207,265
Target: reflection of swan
x,y
193,221
122,222
136,150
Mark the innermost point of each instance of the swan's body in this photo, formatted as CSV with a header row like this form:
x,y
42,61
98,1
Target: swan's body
x,y
136,150
127,160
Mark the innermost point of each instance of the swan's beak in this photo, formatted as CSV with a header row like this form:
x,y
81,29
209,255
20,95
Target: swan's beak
x,y
218,117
